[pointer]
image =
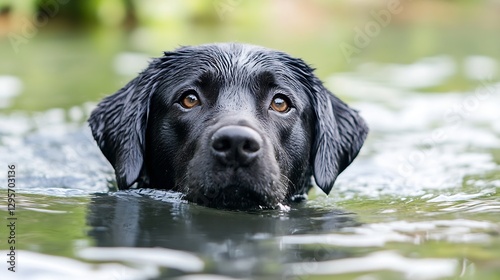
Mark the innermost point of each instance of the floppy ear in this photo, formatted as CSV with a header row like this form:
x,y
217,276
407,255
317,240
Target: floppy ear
x,y
118,125
339,135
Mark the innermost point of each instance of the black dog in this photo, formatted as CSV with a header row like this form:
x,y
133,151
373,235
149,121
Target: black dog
x,y
229,125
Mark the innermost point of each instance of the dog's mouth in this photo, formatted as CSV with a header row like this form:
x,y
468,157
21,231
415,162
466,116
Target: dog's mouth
x,y
234,197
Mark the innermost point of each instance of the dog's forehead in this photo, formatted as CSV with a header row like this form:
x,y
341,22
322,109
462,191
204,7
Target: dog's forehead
x,y
229,60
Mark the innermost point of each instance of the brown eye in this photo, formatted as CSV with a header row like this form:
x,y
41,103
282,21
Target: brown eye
x,y
280,104
190,100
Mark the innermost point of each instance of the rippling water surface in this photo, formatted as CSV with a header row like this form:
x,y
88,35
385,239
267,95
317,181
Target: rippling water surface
x,y
420,202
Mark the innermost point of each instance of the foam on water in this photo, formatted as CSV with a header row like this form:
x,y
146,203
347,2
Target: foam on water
x,y
426,143
53,156
42,266
385,260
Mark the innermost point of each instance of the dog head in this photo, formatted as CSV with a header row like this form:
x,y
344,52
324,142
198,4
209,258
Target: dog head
x,y
229,125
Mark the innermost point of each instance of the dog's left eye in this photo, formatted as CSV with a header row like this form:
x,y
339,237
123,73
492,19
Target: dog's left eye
x,y
280,104
190,99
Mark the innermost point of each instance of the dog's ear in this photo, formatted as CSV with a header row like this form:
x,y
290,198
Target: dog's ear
x,y
339,131
118,125
339,134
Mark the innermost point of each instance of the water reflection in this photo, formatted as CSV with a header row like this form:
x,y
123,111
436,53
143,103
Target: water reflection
x,y
238,244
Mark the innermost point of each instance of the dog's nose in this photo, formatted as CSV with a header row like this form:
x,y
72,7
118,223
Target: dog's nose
x,y
235,145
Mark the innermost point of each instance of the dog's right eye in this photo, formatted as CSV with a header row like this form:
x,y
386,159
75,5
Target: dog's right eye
x,y
190,99
280,103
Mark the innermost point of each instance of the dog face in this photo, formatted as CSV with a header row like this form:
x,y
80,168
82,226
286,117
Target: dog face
x,y
229,125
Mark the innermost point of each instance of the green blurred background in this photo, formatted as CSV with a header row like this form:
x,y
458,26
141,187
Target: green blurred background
x,y
64,53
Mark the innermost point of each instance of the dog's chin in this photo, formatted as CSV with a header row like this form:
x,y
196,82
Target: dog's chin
x,y
234,197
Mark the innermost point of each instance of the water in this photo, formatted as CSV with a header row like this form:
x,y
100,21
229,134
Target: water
x,y
420,202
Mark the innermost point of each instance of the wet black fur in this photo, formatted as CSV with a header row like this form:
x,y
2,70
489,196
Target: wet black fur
x,y
151,140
